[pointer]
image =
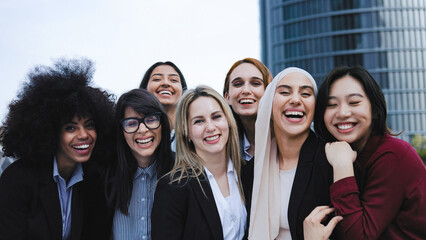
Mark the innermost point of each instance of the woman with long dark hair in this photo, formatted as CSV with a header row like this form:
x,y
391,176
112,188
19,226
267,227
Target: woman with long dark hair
x,y
167,83
143,156
389,200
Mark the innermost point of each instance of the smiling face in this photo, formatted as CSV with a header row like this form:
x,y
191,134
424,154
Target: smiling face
x,y
143,142
348,114
76,142
293,105
165,84
246,87
208,127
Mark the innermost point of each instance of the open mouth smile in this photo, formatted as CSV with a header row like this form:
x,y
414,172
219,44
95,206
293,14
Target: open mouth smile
x,y
247,101
81,147
294,114
345,127
212,139
144,141
165,92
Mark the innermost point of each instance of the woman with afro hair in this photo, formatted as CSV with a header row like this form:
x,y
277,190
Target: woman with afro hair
x,y
59,130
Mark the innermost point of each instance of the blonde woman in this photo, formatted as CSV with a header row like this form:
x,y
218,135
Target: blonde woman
x,y
202,196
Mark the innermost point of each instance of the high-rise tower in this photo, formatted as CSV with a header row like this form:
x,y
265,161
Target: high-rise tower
x,y
387,37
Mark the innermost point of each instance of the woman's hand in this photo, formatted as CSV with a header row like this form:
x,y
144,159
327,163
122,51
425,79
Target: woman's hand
x,y
341,157
313,229
340,153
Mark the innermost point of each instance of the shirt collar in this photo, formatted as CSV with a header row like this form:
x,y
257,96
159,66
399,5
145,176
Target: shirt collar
x,y
172,135
246,145
230,169
150,171
76,177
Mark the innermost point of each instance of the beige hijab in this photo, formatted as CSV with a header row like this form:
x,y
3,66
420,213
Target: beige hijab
x,y
265,207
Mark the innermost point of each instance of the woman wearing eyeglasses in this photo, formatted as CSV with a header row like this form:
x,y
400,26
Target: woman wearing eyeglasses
x,y
143,156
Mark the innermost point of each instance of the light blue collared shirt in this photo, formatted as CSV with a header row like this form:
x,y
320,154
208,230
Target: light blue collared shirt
x,y
137,225
173,140
246,156
65,195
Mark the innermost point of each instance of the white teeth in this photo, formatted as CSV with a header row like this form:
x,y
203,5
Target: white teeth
x,y
294,113
144,141
345,126
80,147
212,138
246,101
166,92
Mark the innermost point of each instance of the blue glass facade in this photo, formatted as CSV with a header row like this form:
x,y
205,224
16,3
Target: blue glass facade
x,y
387,37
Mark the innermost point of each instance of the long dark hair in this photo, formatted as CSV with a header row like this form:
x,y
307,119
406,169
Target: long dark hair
x,y
372,90
145,79
142,102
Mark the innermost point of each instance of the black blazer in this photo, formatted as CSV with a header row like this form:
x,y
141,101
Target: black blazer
x,y
30,207
247,176
183,211
311,185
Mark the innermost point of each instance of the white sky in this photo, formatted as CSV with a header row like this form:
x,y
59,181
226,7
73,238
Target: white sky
x,y
124,38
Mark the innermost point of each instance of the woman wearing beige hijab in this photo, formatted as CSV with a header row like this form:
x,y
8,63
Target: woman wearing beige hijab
x,y
291,172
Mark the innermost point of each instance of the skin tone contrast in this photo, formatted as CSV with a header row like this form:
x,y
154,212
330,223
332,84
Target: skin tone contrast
x,y
144,141
292,112
246,87
77,139
209,131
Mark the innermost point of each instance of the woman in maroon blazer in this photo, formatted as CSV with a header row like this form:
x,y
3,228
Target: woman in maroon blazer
x,y
389,200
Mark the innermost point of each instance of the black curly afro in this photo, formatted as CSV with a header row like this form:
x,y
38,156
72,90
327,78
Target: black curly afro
x,y
51,97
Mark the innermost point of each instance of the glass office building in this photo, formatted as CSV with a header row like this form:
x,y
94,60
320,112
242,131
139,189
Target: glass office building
x,y
387,37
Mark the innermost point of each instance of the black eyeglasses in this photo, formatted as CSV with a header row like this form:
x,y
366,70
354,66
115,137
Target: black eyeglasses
x,y
131,125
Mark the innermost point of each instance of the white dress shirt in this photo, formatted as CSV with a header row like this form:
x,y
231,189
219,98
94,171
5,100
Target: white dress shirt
x,y
232,211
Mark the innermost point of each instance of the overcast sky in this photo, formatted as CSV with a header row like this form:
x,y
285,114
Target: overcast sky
x,y
124,38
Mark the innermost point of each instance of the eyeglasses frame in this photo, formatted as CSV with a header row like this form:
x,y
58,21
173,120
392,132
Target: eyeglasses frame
x,y
142,120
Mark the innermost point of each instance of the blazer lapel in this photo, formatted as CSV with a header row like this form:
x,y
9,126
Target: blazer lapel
x,y
49,199
77,211
208,206
301,180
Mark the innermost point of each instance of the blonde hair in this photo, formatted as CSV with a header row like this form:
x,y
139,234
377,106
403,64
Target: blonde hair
x,y
188,164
